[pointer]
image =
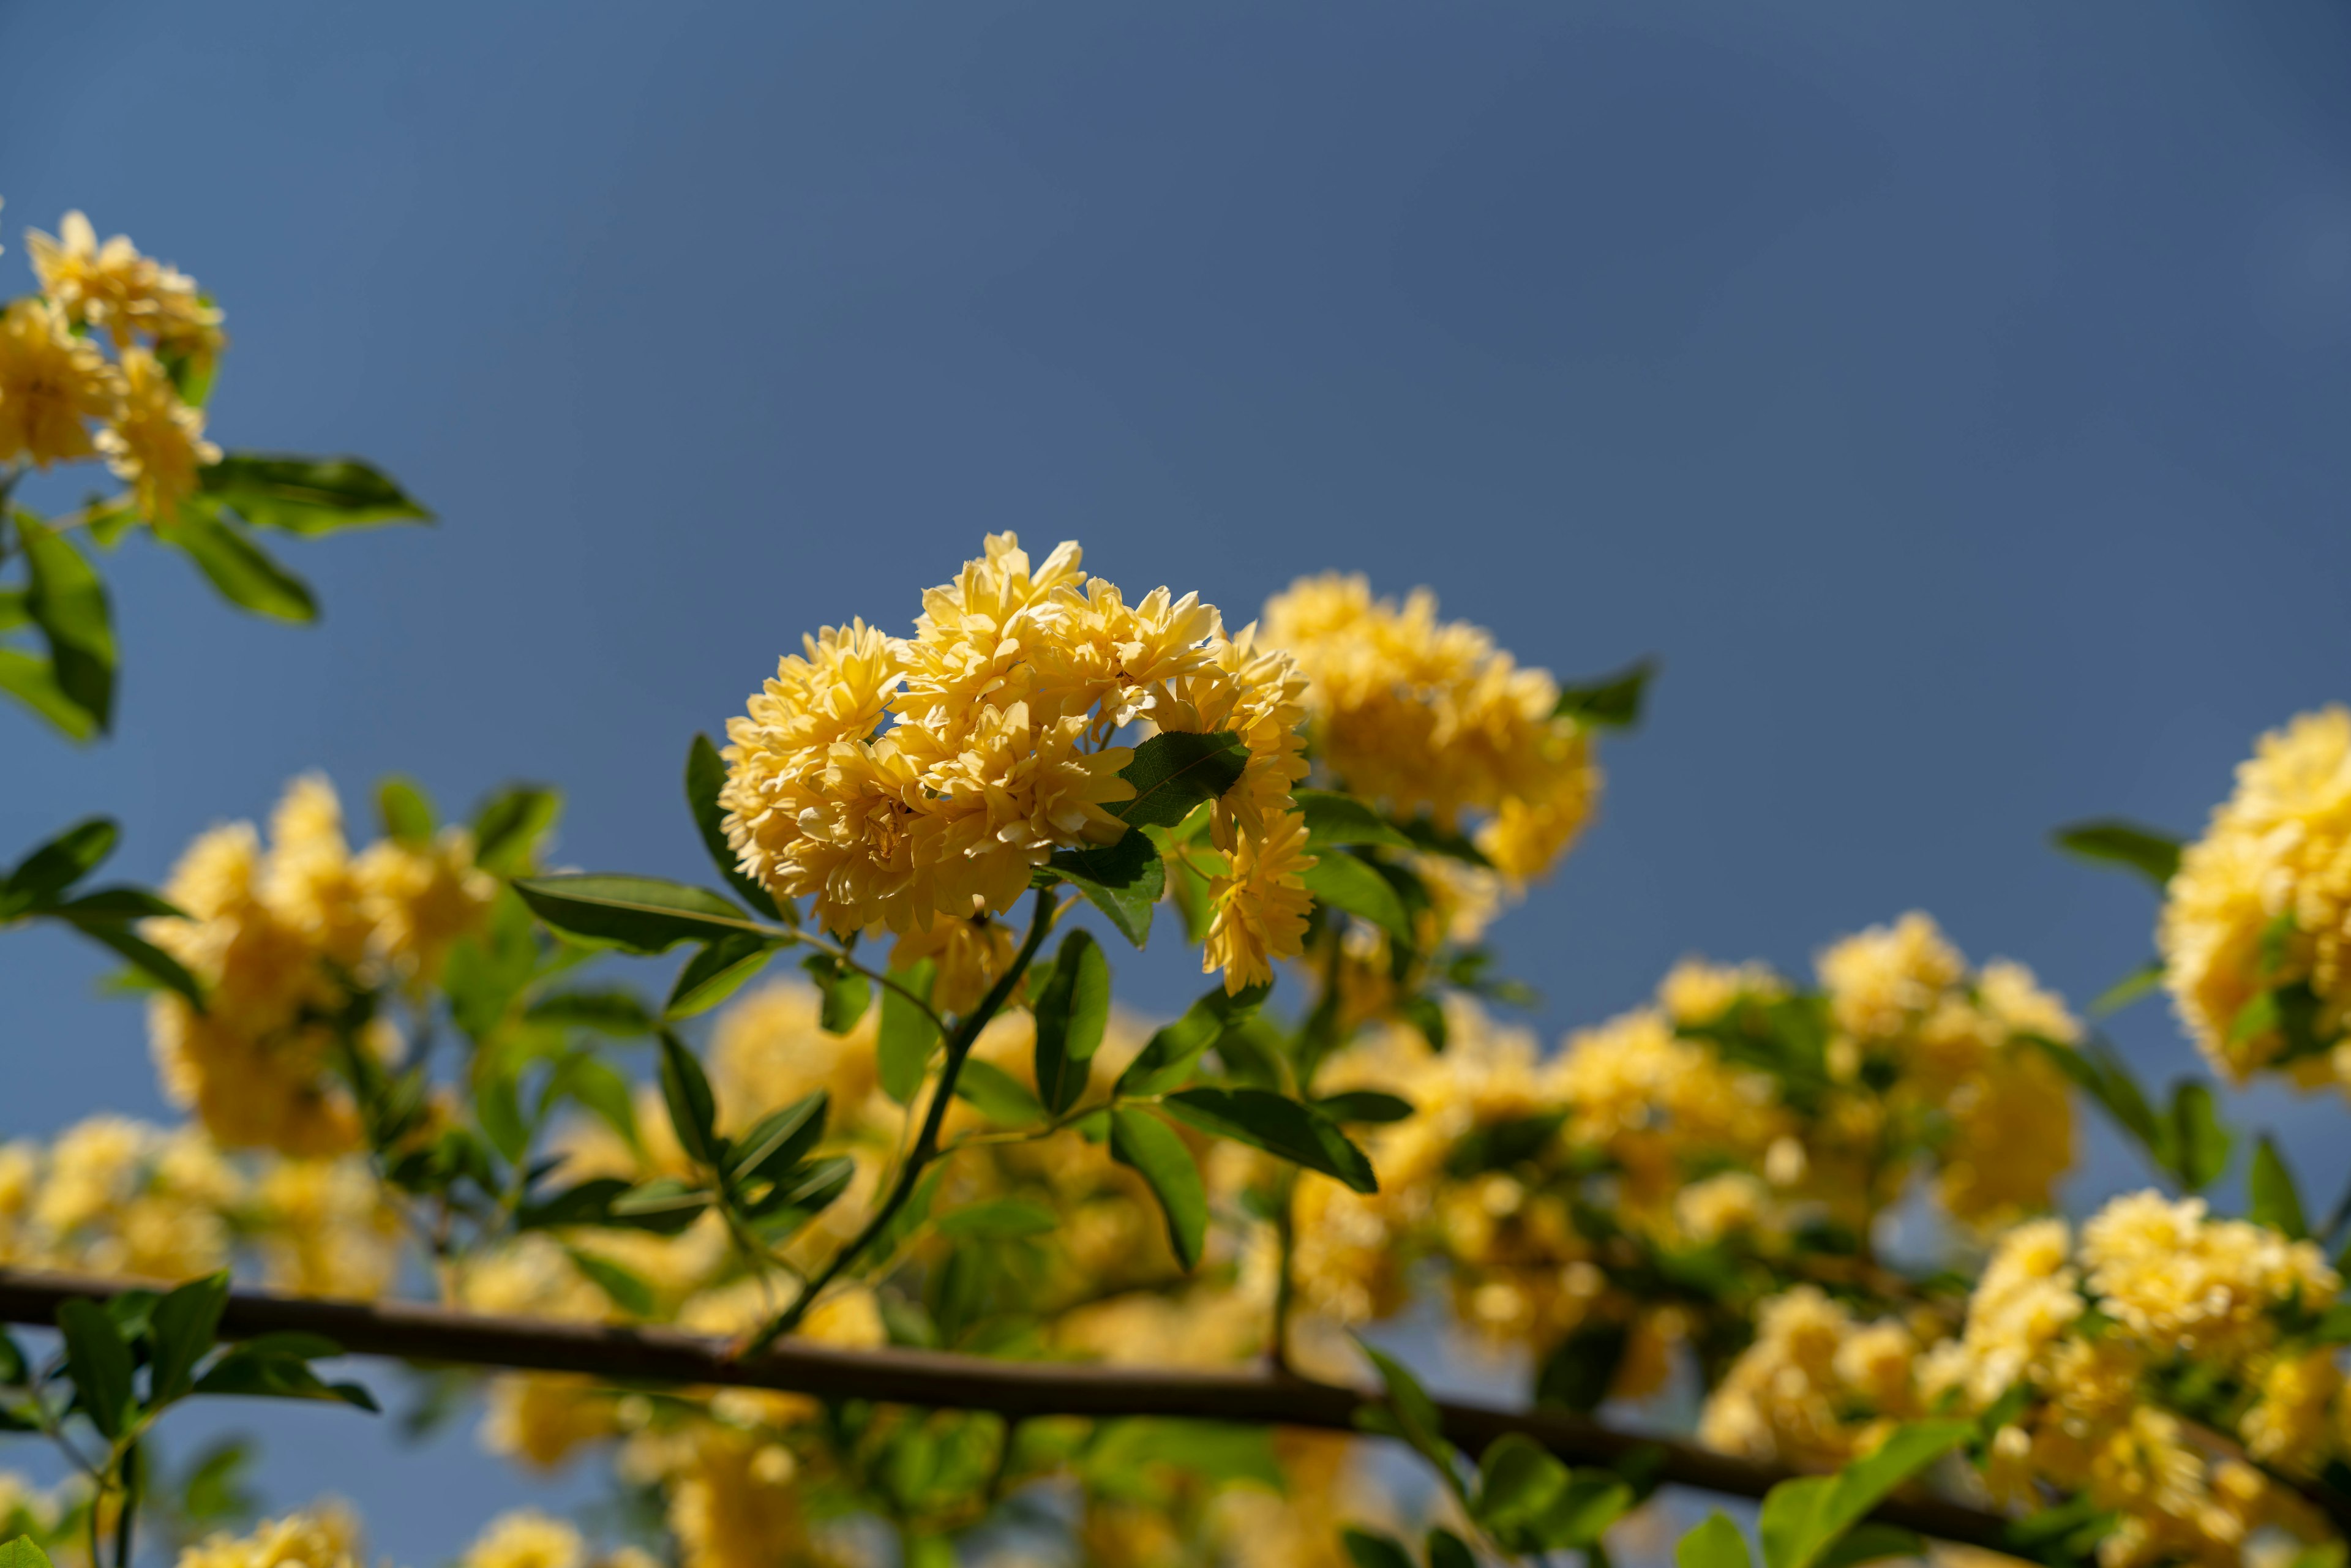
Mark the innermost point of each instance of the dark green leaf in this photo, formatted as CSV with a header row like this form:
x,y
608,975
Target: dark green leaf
x,y
1414,1415
1446,1550
1870,1542
309,494
406,810
2143,981
2105,1077
117,905
845,992
1578,1374
1716,1543
2275,1202
44,875
1278,1124
908,1038
1334,819
1152,1149
605,1010
997,1095
241,571
507,828
1346,882
14,1369
805,1192
1122,880
1581,1513
716,972
184,1325
586,1203
1426,1014
67,602
1174,772
594,1084
1612,702
2110,841
1166,1059
780,1139
1451,843
999,1219
255,1373
624,1289
664,1205
686,1090
142,955
1072,1009
1371,1549
640,913
1367,1105
31,682
100,1363
2200,1143
1497,1145
705,775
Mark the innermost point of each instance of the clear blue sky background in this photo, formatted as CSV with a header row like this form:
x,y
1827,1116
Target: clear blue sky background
x,y
1954,397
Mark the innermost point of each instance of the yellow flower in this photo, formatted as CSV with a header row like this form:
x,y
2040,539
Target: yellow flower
x,y
2264,898
2183,1280
526,1538
1260,906
970,955
324,1536
542,1418
419,901
114,288
155,443
52,384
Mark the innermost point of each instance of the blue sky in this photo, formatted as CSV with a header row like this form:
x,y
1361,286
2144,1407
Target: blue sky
x,y
1952,397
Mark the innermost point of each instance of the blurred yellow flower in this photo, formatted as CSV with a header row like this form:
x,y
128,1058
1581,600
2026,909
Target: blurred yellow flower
x,y
52,384
155,443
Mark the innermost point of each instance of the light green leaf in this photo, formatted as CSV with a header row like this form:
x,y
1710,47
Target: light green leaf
x,y
2275,1200
639,913
624,1289
67,602
2110,841
1716,1543
31,682
1277,1124
845,992
243,572
1153,1150
908,1038
996,1095
2201,1144
1803,1519
1346,882
716,972
22,1554
308,496
1517,1478
2143,981
406,810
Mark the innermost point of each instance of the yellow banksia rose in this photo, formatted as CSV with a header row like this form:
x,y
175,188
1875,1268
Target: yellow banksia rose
x,y
115,290
526,1538
2263,899
1426,715
896,783
52,384
154,443
970,955
326,1535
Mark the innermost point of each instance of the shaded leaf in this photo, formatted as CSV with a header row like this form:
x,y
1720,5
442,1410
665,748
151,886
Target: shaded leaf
x,y
1153,1150
1174,772
640,913
1167,1058
1277,1124
999,1219
67,602
586,1203
624,1289
1072,1011
1346,882
1334,819
692,1109
1612,702
607,1010
46,873
1122,880
2275,1199
100,1362
182,1326
664,1205
778,1140
507,828
705,775
716,972
1366,1549
250,1371
242,572
1446,1550
907,1038
1367,1105
996,1095
2110,841
2200,1144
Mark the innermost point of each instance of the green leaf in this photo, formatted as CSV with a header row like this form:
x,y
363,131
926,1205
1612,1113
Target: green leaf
x,y
112,906
1153,1150
692,1110
250,1371
67,602
639,913
31,682
607,1010
1518,1480
182,1327
507,828
705,775
142,954
996,1095
1871,1542
44,875
1174,772
308,496
1166,1059
1367,1105
1578,1374
999,1219
1612,702
1346,882
1372,1548
2110,841
217,1490
1426,1014
624,1289
22,1554
100,1363
2275,1202
1581,1513
12,613
2143,981
1803,1519
1334,819
2200,1143
1716,1543
241,571
407,812
1414,1415
2102,1074
584,1203
665,1205
845,992
1072,1010
907,1038
716,972
595,1085
780,1139
1278,1125
1122,880
1446,1550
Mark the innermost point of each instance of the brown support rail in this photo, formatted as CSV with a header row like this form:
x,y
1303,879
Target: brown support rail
x,y
412,1331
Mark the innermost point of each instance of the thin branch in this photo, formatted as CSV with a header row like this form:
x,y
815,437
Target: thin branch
x,y
933,1379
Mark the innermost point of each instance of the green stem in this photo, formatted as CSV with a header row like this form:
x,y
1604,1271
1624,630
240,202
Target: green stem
x,y
927,1143
126,1515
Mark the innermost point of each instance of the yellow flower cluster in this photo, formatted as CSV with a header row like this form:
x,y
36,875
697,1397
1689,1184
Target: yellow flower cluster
x,y
267,933
1425,715
326,1535
1818,1386
55,381
898,781
2263,900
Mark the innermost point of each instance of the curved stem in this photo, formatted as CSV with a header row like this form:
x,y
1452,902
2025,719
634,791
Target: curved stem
x,y
840,954
927,1142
